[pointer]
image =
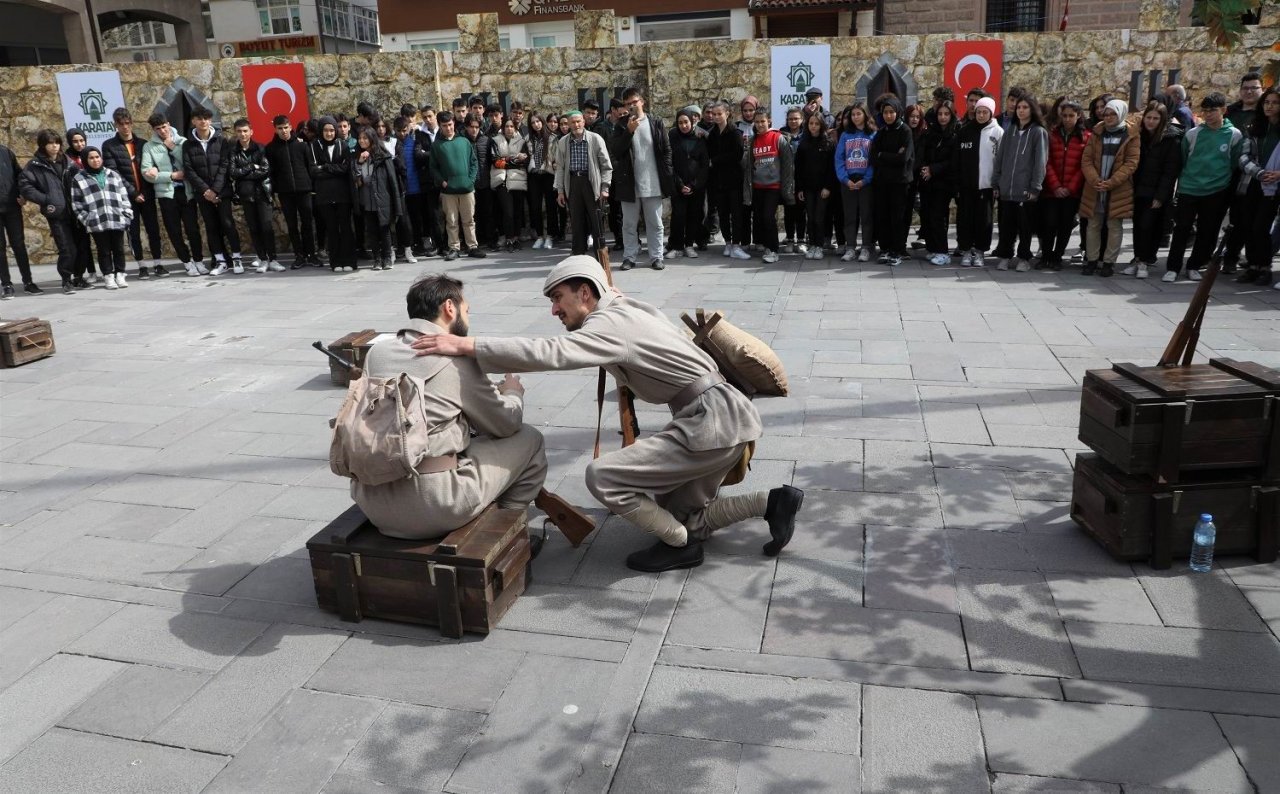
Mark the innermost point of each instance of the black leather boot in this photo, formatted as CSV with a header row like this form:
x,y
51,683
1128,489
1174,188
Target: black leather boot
x,y
661,557
784,503
1089,268
1107,271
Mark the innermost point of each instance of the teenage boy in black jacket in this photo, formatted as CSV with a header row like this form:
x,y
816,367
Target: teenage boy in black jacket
x,y
11,223
291,181
205,156
123,154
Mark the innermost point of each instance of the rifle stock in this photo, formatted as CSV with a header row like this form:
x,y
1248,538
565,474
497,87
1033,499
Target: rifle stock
x,y
353,372
1182,345
626,400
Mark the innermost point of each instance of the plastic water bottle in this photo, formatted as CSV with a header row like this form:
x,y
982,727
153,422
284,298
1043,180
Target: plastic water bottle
x,y
1202,539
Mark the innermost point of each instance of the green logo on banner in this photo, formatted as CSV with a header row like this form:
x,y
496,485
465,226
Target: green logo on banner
x,y
93,104
800,77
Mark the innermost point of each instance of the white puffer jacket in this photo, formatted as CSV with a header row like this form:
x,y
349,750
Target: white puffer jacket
x,y
516,175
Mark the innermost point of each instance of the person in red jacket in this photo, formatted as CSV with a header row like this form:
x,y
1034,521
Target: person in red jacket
x,y
1063,183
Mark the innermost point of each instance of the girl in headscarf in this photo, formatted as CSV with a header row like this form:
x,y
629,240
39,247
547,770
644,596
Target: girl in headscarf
x,y
100,203
1110,160
76,145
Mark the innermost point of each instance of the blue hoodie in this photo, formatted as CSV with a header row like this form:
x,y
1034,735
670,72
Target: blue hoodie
x,y
853,157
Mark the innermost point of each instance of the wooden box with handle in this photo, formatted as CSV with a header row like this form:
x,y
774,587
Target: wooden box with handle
x,y
24,341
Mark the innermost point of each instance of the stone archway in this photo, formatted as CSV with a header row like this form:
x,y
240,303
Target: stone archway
x,y
184,15
887,74
177,102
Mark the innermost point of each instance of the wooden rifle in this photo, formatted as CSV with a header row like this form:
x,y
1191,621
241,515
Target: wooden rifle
x,y
626,400
1182,345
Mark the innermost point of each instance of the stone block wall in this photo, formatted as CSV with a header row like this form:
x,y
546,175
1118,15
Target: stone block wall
x,y
1079,63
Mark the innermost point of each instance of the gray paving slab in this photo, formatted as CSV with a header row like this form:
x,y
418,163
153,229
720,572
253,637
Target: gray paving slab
x,y
914,740
300,744
135,702
393,668
1245,572
976,548
1218,701
1101,599
909,569
232,557
17,602
115,560
204,525
892,509
598,566
223,714
770,769
1113,744
70,761
150,489
545,704
676,763
977,499
1254,742
725,605
36,701
414,747
186,640
898,467
599,613
752,709
1011,624
281,580
1005,783
1209,601
45,630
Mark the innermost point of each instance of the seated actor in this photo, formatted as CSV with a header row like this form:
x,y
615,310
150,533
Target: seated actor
x,y
503,463
682,465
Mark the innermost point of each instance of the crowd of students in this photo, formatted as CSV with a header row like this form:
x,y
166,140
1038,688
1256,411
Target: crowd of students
x,y
477,176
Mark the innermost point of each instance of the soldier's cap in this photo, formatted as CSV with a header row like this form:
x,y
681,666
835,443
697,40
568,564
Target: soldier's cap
x,y
579,266
813,92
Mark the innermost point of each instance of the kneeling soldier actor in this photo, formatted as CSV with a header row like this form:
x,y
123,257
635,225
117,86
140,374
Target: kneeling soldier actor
x,y
682,465
503,463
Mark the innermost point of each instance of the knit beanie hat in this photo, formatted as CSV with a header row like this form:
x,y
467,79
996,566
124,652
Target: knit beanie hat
x,y
988,103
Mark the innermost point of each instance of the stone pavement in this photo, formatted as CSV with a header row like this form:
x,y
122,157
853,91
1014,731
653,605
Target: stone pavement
x,y
938,624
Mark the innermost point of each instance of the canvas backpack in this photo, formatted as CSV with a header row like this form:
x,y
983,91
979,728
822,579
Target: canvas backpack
x,y
381,434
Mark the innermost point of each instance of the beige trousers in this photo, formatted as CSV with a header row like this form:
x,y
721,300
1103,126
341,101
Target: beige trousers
x,y
459,205
1093,239
509,471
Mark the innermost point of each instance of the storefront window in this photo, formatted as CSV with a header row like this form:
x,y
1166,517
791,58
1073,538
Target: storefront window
x,y
279,17
674,27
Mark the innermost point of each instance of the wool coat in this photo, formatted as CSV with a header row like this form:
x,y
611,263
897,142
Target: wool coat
x,y
1120,202
99,208
599,164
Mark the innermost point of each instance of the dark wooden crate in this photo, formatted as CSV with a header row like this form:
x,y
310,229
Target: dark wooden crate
x,y
354,347
1134,518
24,341
1165,421
464,582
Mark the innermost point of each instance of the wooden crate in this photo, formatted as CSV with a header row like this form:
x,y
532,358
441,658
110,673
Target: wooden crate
x,y
1133,518
354,347
1166,421
464,582
24,341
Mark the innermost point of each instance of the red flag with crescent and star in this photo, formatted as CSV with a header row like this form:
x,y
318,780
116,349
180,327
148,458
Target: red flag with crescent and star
x,y
270,90
973,64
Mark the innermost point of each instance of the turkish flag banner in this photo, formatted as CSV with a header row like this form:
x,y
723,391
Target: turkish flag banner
x,y
967,65
270,90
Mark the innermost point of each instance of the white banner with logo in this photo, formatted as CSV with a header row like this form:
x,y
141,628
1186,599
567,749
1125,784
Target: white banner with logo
x,y
795,69
88,100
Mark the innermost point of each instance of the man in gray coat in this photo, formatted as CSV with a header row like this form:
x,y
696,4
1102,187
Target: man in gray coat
x,y
503,463
683,464
583,173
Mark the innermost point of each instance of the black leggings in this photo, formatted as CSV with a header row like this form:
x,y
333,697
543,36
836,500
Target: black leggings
x,y
542,203
935,204
376,236
973,220
1057,219
511,204
1017,220
890,216
110,251
1148,228
341,240
764,212
686,219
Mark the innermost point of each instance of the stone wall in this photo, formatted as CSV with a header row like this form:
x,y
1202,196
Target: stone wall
x,y
1078,63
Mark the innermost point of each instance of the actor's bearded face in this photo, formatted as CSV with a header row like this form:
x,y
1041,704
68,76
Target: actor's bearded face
x,y
568,305
459,326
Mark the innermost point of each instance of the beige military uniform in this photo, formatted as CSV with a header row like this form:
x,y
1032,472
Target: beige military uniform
x,y
503,463
683,464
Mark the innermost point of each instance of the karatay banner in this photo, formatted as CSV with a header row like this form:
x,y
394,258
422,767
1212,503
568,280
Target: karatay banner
x,y
795,69
270,90
973,64
88,100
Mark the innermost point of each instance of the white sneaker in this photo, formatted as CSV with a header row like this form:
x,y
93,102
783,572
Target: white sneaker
x,y
769,257
728,251
1131,270
120,280
674,253
864,255
1021,265
966,259
942,260
1169,276
258,266
802,248
201,270
98,278
738,253
1141,271
1003,264
110,281
221,268
237,266
409,258
978,259
849,255
190,267
1194,275
537,244
276,267
690,252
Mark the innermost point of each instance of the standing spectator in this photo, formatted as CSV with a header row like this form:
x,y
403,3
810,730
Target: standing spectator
x,y
331,178
768,168
123,154
793,213
493,120
251,188
1244,204
584,172
406,239
413,158
1109,162
1181,108
813,104
892,158
11,204
937,180
1009,118
971,103
377,194
1019,178
914,115
591,115
487,224
1210,153
977,149
641,155
205,160
746,128
941,95
725,147
454,168
1159,165
100,201
509,175
690,166
288,158
46,183
815,180
1063,182
77,143
162,167
1260,173
431,237
542,181
854,172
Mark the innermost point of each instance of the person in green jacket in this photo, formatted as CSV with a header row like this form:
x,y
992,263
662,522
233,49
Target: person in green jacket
x,y
1210,153
162,167
454,168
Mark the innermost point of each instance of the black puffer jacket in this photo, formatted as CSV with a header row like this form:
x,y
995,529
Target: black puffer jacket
x,y
115,155
815,169
47,183
893,151
624,175
937,151
1159,165
9,172
331,176
382,188
725,150
288,161
205,166
249,172
690,163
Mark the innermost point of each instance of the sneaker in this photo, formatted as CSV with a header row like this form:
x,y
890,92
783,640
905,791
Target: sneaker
x,y
894,260
160,271
1263,278
110,282
476,253
884,258
1037,262
979,260
98,278
1003,264
849,255
120,277
79,283
627,264
409,258
1021,265
1077,258
940,259
1194,275
143,273
1089,268
1169,276
966,259
787,246
1142,272
1130,270
67,289
201,269
259,266
537,244
802,248
276,267
6,292
237,266
1107,270
387,263
769,257
657,264
690,252
739,253
190,267
451,255
727,252
674,253
32,289
864,255
221,268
